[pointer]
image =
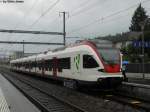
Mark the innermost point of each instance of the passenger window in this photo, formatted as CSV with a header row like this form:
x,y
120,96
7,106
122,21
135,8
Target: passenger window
x,y
48,65
89,62
39,65
64,63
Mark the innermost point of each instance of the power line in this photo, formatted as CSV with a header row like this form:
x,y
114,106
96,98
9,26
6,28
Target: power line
x,y
112,20
75,8
38,43
27,13
31,32
43,14
80,5
106,17
83,3
89,7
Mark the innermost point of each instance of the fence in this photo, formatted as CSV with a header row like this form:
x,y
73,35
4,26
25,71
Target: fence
x,y
137,68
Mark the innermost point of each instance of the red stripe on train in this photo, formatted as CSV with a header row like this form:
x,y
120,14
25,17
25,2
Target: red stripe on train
x,y
112,68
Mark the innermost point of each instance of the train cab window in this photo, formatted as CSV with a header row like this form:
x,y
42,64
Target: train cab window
x,y
89,62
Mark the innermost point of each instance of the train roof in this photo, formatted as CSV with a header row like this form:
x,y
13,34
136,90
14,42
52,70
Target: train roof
x,y
97,44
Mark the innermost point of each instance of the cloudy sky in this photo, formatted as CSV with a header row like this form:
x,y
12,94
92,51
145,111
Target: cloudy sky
x,y
84,19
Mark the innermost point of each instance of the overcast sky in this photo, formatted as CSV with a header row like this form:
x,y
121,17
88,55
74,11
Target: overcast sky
x,y
84,19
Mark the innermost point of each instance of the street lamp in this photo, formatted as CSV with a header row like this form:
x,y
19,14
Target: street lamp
x,y
142,24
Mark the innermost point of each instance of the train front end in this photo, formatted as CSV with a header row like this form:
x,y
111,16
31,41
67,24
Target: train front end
x,y
111,72
109,61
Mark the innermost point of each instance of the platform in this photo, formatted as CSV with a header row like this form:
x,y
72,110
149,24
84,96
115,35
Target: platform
x,y
138,78
3,104
13,100
138,75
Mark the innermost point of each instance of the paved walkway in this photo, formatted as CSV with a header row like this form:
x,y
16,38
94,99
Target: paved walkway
x,y
16,101
138,78
3,104
138,75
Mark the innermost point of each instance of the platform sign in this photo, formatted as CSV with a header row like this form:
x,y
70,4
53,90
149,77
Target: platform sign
x,y
139,44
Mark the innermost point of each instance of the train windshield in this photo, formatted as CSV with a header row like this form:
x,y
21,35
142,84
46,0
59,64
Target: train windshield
x,y
110,55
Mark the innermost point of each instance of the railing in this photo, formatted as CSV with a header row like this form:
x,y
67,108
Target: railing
x,y
137,68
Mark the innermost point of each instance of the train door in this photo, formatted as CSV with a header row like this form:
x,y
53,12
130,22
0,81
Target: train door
x,y
35,65
43,65
29,66
55,66
76,65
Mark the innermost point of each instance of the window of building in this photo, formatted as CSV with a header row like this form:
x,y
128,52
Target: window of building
x,y
89,62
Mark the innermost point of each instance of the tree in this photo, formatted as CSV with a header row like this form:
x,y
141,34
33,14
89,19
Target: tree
x,y
138,17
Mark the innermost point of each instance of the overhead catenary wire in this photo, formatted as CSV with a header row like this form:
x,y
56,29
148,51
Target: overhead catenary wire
x,y
88,7
75,8
106,17
26,14
43,14
111,20
95,22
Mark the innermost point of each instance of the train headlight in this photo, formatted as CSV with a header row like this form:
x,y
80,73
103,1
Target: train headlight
x,y
101,70
100,79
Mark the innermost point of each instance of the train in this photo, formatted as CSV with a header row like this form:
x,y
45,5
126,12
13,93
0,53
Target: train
x,y
85,63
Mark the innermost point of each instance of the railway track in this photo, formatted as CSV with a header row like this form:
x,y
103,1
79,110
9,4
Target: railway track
x,y
124,98
135,90
134,102
42,99
73,101
129,100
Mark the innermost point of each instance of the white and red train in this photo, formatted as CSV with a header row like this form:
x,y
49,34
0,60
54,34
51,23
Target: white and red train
x,y
82,63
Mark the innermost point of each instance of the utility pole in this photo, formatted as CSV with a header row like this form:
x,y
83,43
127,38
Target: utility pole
x,y
64,26
142,24
23,48
143,45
